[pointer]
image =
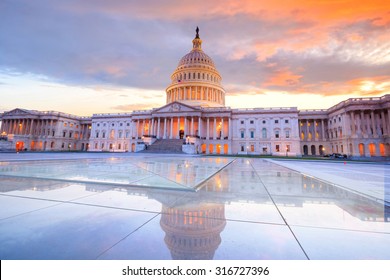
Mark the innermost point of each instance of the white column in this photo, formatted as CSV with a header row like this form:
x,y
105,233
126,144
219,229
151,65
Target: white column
x,y
208,128
322,130
353,123
185,127
171,134
192,125
200,127
222,130
230,130
362,123
307,130
178,128
165,129
137,130
374,134
158,128
383,123
215,128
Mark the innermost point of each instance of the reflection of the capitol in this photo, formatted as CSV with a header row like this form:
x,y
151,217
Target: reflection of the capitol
x,y
194,221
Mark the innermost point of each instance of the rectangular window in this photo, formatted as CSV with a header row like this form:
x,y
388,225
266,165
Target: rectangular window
x,y
252,148
264,133
242,122
97,134
251,122
96,145
104,135
70,134
287,134
127,134
285,121
242,134
63,133
277,148
242,148
277,134
252,134
120,134
288,148
276,121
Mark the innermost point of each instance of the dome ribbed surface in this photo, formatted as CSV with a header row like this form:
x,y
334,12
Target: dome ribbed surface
x,y
196,58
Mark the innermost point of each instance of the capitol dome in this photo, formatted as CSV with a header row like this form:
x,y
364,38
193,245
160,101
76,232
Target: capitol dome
x,y
196,81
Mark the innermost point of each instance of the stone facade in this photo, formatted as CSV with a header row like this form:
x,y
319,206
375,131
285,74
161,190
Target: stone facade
x,y
196,113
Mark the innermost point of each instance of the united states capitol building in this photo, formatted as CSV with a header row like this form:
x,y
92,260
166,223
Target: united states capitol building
x,y
195,120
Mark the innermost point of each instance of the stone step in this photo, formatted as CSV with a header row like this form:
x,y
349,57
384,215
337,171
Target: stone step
x,y
165,146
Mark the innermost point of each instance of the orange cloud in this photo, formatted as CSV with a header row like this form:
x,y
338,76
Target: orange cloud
x,y
283,77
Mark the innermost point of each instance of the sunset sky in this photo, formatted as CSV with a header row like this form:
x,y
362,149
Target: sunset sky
x,y
98,56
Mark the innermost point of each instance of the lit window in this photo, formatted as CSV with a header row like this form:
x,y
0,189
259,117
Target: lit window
x,y
277,148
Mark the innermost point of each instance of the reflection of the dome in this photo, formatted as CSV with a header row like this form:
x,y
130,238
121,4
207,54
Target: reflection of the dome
x,y
193,231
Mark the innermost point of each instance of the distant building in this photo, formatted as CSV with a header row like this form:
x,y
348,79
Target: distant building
x,y
195,120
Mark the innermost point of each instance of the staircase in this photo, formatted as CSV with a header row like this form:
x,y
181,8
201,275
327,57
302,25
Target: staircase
x,y
168,146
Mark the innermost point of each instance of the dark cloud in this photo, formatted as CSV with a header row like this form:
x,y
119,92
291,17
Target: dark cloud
x,y
139,43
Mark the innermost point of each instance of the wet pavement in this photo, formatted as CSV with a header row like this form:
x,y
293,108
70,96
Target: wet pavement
x,y
110,206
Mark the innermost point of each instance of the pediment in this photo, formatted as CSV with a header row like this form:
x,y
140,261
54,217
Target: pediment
x,y
17,111
175,107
